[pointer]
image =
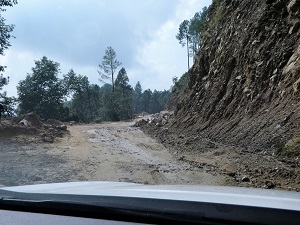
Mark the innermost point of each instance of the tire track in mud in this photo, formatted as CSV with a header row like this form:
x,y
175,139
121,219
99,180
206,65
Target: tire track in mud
x,y
141,159
134,162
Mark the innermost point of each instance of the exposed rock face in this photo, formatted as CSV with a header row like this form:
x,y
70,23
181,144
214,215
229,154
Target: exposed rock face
x,y
245,81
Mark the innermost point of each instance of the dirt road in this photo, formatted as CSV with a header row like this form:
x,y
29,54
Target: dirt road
x,y
98,152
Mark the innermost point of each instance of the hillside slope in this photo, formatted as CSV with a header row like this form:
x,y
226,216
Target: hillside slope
x,y
244,85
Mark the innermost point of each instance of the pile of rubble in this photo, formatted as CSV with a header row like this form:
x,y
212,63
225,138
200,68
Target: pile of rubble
x,y
31,124
158,119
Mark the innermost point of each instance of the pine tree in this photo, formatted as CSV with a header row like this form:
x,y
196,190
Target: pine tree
x,y
108,66
124,95
137,98
183,37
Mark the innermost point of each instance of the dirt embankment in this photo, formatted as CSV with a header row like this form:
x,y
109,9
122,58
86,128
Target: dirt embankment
x,y
240,166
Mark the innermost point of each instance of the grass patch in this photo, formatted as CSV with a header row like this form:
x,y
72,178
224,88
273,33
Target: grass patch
x,y
217,2
217,16
182,83
99,120
290,148
206,34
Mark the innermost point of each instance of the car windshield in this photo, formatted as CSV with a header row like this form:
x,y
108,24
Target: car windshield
x,y
177,92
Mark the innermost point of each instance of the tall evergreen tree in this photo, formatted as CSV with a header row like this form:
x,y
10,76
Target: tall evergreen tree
x,y
73,82
125,95
137,98
110,106
196,27
183,37
86,100
108,66
87,103
154,102
146,98
122,80
189,33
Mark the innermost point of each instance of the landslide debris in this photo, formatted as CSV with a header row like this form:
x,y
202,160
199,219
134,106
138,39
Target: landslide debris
x,y
30,127
242,166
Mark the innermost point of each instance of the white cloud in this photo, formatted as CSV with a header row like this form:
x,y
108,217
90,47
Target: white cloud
x,y
17,62
162,58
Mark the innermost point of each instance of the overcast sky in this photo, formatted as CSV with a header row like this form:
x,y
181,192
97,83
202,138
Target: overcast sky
x,y
76,33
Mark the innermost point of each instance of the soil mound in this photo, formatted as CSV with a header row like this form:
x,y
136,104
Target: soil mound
x,y
31,125
54,122
31,120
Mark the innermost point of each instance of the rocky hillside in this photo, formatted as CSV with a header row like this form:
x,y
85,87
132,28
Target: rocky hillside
x,y
244,85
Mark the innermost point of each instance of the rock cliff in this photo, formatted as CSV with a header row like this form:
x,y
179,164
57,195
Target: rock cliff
x,y
244,86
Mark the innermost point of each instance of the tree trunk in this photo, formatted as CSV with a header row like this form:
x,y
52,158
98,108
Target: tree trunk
x,y
188,52
112,82
89,103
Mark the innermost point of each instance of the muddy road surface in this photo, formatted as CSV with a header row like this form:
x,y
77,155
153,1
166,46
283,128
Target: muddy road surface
x,y
98,152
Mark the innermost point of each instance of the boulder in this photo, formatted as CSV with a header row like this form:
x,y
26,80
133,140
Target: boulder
x,y
245,179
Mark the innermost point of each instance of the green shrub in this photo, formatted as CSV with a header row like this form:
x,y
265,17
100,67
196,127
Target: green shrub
x,y
99,120
290,148
217,16
181,84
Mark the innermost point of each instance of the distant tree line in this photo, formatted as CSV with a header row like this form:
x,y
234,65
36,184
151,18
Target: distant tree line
x,y
43,92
